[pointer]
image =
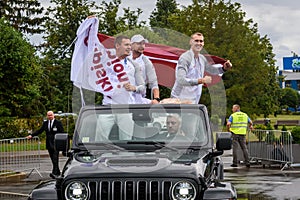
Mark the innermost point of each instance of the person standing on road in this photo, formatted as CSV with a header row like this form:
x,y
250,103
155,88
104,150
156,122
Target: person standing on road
x,y
148,70
51,126
190,71
238,124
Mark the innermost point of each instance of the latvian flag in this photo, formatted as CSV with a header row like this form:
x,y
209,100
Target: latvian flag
x,y
94,57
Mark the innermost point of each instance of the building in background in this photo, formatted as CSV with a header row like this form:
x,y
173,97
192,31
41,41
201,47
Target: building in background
x,y
291,72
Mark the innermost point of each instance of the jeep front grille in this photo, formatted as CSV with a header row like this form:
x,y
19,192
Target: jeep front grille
x,y
130,189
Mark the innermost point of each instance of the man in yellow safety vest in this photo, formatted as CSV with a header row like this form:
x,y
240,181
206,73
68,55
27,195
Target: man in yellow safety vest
x,y
238,124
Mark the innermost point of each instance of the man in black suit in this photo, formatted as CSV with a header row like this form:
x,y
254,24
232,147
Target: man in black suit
x,y
51,127
174,131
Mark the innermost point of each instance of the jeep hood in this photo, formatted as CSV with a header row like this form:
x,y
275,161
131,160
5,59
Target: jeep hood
x,y
134,164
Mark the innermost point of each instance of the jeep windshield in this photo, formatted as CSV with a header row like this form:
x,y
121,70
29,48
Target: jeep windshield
x,y
143,127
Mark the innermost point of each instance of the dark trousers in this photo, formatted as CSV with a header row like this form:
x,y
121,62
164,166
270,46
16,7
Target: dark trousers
x,y
54,159
239,140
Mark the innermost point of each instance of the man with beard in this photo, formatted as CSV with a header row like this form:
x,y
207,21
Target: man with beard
x,y
148,70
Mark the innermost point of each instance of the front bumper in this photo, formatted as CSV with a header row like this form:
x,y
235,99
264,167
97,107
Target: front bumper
x,y
220,191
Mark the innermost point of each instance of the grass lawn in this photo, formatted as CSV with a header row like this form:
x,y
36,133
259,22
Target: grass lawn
x,y
280,117
15,146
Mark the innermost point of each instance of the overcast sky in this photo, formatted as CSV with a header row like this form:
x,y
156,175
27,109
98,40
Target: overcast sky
x,y
276,19
279,20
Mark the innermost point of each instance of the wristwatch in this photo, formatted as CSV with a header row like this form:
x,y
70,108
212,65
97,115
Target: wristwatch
x,y
157,99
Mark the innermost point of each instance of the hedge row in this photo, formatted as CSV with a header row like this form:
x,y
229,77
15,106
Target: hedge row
x,y
11,127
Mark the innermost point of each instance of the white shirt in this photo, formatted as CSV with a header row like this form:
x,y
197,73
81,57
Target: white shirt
x,y
190,92
50,124
188,70
141,63
120,95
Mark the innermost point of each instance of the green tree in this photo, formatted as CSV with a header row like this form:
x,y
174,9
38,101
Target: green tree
x,y
160,15
160,24
252,80
296,134
20,74
112,24
289,98
25,16
64,19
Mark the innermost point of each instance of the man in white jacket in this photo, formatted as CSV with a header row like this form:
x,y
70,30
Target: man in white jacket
x,y
108,71
190,71
148,70
128,73
130,91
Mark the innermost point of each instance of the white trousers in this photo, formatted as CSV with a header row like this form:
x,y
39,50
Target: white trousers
x,y
106,122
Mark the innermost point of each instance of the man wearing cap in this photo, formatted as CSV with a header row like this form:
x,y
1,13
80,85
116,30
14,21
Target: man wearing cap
x,y
148,70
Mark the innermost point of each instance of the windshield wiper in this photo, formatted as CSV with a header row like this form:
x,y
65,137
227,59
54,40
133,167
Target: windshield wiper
x,y
108,145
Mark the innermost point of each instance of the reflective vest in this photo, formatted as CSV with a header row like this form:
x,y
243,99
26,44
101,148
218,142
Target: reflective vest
x,y
239,123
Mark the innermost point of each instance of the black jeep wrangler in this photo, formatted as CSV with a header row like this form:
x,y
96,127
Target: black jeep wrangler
x,y
118,154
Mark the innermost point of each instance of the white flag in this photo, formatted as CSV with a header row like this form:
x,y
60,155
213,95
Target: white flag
x,y
93,66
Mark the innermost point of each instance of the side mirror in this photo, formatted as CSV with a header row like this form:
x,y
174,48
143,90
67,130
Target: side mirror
x,y
62,142
224,141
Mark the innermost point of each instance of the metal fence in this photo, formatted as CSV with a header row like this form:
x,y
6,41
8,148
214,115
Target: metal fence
x,y
19,155
271,147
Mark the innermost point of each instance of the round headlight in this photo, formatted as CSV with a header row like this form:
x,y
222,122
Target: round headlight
x,y
183,190
77,191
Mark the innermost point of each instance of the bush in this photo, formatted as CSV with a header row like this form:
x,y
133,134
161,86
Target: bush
x,y
296,134
284,128
12,127
270,138
8,128
68,124
263,127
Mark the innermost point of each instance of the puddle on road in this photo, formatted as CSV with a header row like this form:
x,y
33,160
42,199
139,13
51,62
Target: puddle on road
x,y
11,196
250,185
264,184
247,196
16,190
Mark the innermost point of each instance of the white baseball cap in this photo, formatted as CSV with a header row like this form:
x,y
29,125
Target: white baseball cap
x,y
138,38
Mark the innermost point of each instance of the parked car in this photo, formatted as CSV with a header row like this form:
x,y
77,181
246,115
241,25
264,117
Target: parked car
x,y
291,109
118,154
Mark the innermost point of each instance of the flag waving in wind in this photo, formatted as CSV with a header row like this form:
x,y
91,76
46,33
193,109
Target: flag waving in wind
x,y
164,59
90,60
95,66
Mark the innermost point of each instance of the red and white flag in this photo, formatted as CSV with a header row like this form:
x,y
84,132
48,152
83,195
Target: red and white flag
x,y
95,67
164,59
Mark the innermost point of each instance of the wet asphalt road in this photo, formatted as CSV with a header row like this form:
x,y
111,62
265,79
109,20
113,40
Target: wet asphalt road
x,y
259,183
254,183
